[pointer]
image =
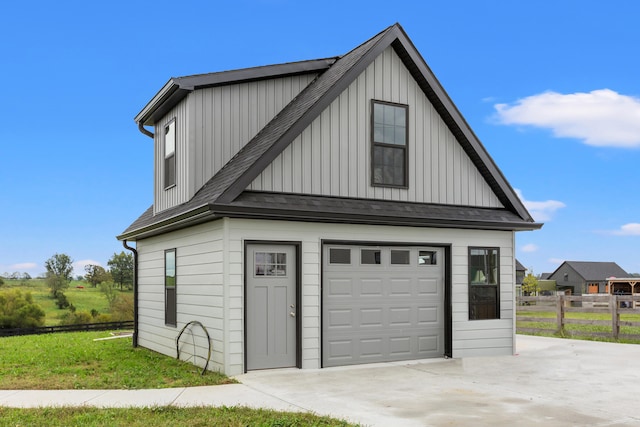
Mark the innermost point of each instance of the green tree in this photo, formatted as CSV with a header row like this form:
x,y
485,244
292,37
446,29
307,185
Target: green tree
x,y
121,269
59,268
96,274
530,285
17,310
109,292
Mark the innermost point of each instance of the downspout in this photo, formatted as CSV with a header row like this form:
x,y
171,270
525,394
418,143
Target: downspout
x,y
142,129
135,292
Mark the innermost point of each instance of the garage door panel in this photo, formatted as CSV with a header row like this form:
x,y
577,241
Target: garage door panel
x,y
428,286
339,288
400,287
372,317
400,316
400,346
428,315
370,287
339,318
385,313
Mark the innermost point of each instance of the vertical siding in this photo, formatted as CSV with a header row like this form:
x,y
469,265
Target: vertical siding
x,y
227,117
180,193
212,125
200,267
338,142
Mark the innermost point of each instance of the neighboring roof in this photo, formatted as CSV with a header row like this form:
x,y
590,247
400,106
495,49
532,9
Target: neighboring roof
x,y
222,192
595,271
545,276
520,267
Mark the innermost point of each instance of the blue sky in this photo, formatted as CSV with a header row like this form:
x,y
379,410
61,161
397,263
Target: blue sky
x,y
550,88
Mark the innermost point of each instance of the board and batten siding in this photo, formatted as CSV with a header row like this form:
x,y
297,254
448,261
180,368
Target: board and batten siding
x,y
470,338
200,291
212,125
332,156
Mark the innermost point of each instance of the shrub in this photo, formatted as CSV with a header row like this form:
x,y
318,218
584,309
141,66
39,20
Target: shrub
x,y
19,311
122,308
79,317
61,300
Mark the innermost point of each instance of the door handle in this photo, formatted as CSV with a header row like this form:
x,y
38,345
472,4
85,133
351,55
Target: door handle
x,y
292,314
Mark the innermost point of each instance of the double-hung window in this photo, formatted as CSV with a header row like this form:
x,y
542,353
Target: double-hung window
x,y
389,144
170,297
170,154
484,283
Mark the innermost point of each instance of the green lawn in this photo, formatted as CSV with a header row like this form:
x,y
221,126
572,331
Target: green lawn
x,y
160,417
75,361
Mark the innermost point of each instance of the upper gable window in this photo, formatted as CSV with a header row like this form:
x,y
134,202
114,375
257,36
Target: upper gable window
x,y
170,154
389,144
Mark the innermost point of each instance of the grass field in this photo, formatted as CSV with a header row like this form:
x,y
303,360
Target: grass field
x,y
80,294
76,361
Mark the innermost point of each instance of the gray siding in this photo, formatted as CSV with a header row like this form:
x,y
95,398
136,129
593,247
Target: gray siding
x,y
332,156
210,285
180,192
212,125
199,289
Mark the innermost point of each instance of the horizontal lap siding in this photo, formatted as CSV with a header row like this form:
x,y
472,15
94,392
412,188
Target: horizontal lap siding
x,y
332,156
199,289
469,337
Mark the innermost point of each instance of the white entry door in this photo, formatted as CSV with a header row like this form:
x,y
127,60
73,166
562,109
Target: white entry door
x,y
271,306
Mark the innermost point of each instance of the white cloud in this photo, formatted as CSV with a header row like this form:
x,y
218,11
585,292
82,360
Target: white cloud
x,y
23,266
540,211
78,266
557,261
600,118
631,229
529,248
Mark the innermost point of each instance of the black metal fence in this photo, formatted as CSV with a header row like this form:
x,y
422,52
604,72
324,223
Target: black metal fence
x,y
105,326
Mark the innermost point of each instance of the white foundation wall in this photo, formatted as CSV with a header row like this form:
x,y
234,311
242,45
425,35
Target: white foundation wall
x,y
199,290
470,338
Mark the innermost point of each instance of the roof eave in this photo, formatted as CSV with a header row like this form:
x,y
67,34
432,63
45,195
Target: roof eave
x,y
187,219
333,217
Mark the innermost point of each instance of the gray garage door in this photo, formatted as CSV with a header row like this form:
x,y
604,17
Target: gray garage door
x,y
381,304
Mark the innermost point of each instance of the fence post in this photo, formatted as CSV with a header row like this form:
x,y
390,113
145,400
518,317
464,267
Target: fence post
x,y
615,316
560,313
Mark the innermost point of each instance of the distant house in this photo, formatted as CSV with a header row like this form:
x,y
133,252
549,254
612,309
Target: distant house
x,y
520,272
585,277
321,213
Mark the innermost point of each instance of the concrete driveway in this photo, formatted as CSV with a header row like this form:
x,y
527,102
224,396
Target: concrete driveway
x,y
550,381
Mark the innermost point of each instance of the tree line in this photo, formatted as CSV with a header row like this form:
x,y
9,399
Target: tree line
x,y
18,310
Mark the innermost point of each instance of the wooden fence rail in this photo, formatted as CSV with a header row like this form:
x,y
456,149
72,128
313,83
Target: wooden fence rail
x,y
612,305
105,326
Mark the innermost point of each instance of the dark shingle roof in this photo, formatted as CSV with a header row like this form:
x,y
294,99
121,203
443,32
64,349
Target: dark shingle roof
x,y
595,271
224,191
